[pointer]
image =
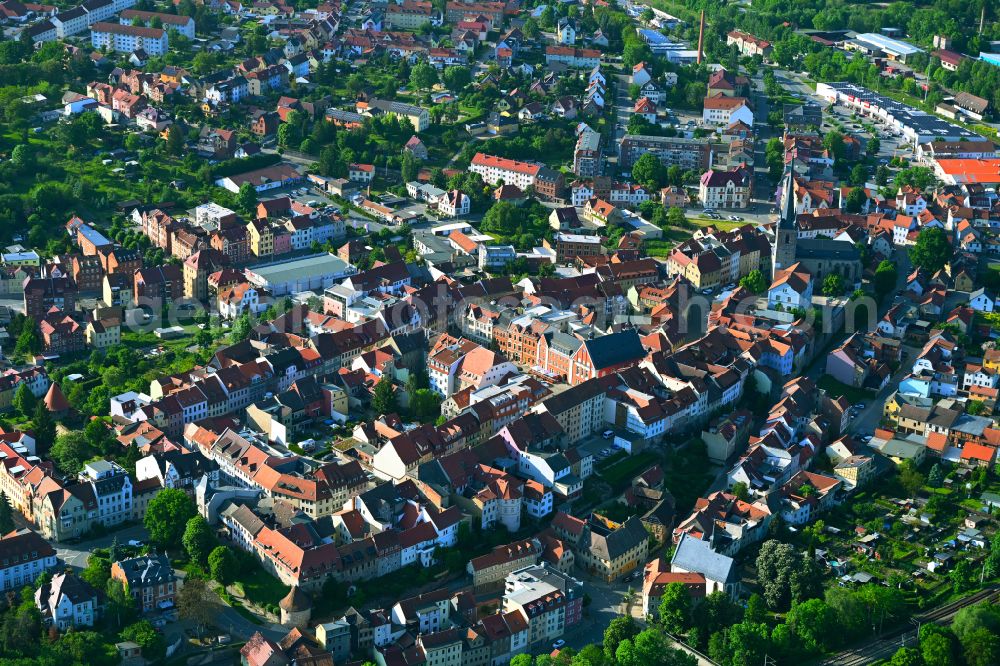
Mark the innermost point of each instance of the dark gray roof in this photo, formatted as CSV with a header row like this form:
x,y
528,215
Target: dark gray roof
x,y
610,350
564,343
696,556
826,248
147,570
617,542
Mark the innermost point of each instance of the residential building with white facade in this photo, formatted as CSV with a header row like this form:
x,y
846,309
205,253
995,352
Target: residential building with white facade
x,y
129,38
24,555
67,602
501,170
112,489
183,25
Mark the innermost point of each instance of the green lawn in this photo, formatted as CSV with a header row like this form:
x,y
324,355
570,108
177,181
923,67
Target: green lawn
x,y
724,225
835,388
620,474
258,585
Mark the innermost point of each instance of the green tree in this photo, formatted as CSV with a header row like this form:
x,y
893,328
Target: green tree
x,y
754,282
425,405
100,439
919,178
981,647
589,655
22,158
978,616
241,328
932,249
881,175
619,629
44,426
423,76
70,451
716,612
85,647
521,660
222,564
6,515
502,219
962,577
650,648
885,278
910,477
119,607
145,635
246,198
649,172
745,644
384,397
935,478
906,657
198,539
174,144
457,77
676,217
756,610
815,624
786,574
24,401
675,608
195,602
635,51
167,515
858,175
833,141
97,572
774,156
833,285
937,646
409,167
856,200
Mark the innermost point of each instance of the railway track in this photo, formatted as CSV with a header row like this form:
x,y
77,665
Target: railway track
x,y
885,646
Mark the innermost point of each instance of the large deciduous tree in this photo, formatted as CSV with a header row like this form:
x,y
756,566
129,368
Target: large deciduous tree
x,y
932,249
786,574
198,539
167,516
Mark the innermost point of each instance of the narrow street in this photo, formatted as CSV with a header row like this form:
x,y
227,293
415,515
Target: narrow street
x,y
623,106
763,188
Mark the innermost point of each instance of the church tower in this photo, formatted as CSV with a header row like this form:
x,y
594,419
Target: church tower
x,y
786,233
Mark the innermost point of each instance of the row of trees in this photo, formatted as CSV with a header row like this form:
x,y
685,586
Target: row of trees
x,y
971,640
624,645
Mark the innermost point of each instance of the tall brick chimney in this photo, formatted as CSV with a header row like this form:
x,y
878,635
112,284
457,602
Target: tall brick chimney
x,y
701,35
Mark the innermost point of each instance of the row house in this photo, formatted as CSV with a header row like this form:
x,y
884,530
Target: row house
x,y
24,556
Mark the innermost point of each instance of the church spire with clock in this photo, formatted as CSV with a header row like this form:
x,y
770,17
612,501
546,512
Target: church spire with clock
x,y
786,232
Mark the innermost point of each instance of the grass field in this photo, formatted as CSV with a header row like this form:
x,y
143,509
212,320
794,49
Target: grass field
x,y
259,586
620,474
724,225
835,388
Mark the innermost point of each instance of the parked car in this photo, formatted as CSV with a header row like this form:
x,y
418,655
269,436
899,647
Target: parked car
x,y
559,644
608,434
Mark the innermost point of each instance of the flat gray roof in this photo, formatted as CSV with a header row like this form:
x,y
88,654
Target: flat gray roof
x,y
299,268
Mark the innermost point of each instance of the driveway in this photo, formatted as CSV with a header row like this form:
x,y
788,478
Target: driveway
x,y
605,605
76,554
